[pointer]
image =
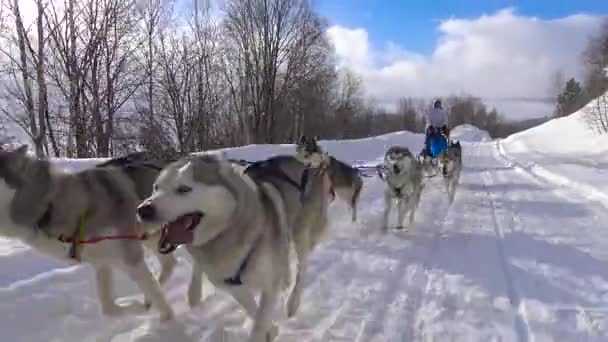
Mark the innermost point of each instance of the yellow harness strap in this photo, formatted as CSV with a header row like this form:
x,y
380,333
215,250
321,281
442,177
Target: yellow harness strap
x,y
76,248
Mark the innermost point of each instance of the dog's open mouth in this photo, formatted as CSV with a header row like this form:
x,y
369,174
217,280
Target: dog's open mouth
x,y
178,232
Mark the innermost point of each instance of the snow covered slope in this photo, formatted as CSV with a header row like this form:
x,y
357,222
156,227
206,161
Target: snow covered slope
x,y
517,257
469,133
565,151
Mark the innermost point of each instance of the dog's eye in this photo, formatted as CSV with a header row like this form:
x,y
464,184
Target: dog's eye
x,y
155,187
182,189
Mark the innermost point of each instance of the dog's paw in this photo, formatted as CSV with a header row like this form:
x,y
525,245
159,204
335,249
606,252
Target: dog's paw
x,y
135,307
272,333
166,316
111,311
265,336
147,304
129,308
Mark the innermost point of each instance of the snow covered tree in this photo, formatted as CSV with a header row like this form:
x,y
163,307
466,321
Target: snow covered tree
x,y
596,114
596,63
570,100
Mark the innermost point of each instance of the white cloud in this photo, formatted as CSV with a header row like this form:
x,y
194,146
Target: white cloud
x,y
497,56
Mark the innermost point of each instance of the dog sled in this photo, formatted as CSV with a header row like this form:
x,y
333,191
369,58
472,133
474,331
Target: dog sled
x,y
441,150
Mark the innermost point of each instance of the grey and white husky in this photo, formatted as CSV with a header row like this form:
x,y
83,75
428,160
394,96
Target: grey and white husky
x,y
346,180
404,184
239,226
450,164
44,207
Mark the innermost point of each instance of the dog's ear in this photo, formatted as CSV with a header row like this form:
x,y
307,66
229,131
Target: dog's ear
x,y
19,157
22,150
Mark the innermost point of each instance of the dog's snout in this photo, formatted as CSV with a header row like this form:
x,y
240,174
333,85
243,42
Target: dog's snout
x,y
146,212
395,169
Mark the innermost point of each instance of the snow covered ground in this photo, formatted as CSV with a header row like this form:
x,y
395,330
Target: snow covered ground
x,y
521,255
566,152
469,133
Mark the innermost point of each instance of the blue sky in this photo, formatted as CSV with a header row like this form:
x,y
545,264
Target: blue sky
x,y
505,52
413,23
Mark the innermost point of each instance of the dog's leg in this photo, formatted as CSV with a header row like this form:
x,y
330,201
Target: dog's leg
x,y
264,330
355,199
415,203
402,208
167,261
451,191
293,303
195,290
244,297
105,294
144,279
103,277
167,265
388,204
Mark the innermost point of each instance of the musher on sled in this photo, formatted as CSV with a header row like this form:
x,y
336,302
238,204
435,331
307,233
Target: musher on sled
x,y
436,122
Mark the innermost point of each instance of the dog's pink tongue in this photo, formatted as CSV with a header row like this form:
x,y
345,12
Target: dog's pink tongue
x,y
178,233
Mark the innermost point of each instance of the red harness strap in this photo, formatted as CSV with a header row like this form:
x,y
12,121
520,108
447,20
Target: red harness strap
x,y
143,236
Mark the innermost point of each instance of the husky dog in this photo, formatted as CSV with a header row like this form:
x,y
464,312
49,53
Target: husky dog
x,y
403,176
346,180
41,206
238,225
450,163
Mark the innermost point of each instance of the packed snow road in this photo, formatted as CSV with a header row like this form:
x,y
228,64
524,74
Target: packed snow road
x,y
515,258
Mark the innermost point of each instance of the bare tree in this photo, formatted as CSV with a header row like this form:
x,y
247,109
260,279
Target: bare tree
x,y
596,114
190,83
409,114
93,50
596,62
349,99
267,42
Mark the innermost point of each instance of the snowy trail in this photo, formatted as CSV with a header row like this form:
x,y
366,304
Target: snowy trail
x,y
515,258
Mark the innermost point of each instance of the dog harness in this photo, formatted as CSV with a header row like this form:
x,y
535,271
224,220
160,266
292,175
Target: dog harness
x,y
76,246
275,172
236,280
398,192
77,240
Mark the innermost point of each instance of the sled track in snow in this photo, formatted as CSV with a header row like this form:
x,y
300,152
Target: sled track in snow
x,y
540,173
417,331
520,323
422,275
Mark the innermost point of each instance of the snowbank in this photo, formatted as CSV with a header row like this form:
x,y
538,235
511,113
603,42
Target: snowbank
x,y
564,151
469,133
351,151
563,136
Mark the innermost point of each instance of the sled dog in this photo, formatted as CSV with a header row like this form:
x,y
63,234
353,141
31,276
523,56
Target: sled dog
x,y
45,207
238,225
450,164
346,180
404,184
